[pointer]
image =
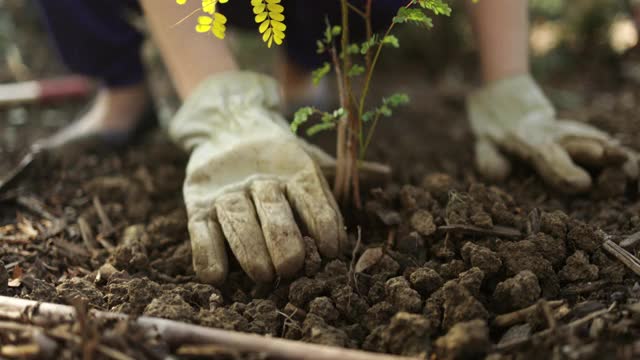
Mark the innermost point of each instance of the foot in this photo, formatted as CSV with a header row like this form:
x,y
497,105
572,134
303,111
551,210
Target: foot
x,y
114,116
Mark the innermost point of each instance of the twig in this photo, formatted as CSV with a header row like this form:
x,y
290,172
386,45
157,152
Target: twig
x,y
632,262
105,350
87,235
36,206
512,318
631,241
544,333
548,314
107,226
176,333
352,264
497,230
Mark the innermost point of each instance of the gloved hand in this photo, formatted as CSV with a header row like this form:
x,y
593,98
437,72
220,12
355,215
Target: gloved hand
x,y
246,176
514,116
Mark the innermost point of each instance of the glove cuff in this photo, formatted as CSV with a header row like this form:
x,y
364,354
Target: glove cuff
x,y
228,105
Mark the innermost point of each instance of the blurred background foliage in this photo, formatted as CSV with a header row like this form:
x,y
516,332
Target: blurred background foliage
x,y
564,33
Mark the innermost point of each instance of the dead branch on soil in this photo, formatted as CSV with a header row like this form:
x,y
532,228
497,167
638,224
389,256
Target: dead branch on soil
x,y
558,331
518,316
180,334
500,231
632,262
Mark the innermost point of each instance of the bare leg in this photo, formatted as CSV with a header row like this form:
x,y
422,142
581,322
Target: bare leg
x,y
501,28
190,57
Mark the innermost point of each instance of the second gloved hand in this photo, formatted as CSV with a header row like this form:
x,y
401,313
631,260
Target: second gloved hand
x,y
514,116
246,177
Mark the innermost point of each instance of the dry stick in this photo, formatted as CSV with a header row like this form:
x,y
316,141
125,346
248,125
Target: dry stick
x,y
87,235
632,262
512,318
105,350
104,219
497,230
542,334
177,333
631,241
36,206
548,314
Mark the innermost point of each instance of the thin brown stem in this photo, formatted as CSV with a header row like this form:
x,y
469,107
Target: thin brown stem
x,y
356,10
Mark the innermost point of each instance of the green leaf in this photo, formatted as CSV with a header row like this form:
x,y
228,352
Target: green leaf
x,y
321,72
412,15
301,116
368,116
353,49
323,126
356,70
386,109
364,48
396,100
391,40
320,47
438,7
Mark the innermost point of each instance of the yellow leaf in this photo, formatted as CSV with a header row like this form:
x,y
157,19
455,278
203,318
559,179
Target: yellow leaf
x,y
259,9
209,6
277,25
261,17
275,8
204,20
219,33
219,18
264,26
276,16
256,2
273,1
266,35
181,2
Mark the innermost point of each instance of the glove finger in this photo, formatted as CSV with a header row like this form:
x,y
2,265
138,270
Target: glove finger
x,y
576,129
309,194
240,226
555,166
281,234
207,246
490,162
584,151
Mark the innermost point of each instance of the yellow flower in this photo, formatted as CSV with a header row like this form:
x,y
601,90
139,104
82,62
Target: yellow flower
x,y
268,13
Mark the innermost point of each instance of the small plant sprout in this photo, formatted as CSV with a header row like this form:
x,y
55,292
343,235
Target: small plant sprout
x,y
354,123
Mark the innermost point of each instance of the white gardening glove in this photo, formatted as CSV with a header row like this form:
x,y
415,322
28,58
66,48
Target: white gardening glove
x,y
246,174
514,116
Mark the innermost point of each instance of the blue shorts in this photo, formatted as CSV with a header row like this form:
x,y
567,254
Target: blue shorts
x,y
94,38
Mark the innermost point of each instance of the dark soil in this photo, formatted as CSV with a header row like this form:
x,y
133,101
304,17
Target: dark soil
x,y
109,227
